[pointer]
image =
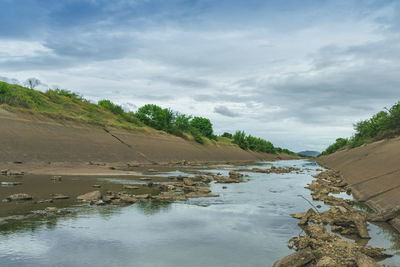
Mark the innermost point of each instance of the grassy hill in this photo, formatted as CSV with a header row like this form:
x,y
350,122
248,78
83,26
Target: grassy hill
x,y
64,105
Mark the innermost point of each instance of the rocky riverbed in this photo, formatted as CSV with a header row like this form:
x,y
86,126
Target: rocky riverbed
x,y
213,213
318,247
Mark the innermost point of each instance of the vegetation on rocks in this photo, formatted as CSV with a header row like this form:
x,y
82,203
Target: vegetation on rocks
x,y
384,124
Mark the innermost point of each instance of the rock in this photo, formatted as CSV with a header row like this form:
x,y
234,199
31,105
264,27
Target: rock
x,y
188,182
365,261
206,180
127,199
10,183
384,216
199,194
55,178
326,262
19,196
359,220
235,174
131,187
96,186
304,220
143,196
98,202
297,259
91,196
51,209
60,196
224,187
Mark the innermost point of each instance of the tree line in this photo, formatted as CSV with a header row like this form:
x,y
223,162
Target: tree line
x,y
384,124
61,101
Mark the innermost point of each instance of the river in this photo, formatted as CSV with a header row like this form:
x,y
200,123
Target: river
x,y
249,224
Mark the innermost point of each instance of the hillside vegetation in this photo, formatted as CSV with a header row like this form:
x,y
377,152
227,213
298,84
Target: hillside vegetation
x,y
384,124
64,105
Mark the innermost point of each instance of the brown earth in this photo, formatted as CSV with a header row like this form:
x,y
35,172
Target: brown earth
x,y
32,150
373,172
44,147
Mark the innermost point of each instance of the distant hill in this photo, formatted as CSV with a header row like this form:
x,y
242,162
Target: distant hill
x,y
309,153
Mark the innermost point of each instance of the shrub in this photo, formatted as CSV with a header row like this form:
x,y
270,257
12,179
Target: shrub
x,y
107,104
204,126
239,138
156,117
197,135
227,135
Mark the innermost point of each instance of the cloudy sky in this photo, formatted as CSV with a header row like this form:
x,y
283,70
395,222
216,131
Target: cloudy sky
x,y
298,73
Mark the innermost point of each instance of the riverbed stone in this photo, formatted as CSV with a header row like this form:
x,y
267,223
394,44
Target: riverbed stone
x,y
297,259
19,196
91,196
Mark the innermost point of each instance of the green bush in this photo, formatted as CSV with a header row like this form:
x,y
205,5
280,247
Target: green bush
x,y
156,117
198,137
384,124
239,138
339,144
227,135
204,126
107,104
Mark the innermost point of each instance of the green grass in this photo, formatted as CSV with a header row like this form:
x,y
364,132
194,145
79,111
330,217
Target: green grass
x,y
62,105
65,106
384,124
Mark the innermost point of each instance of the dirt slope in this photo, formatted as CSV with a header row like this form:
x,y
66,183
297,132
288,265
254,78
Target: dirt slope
x,y
39,143
373,170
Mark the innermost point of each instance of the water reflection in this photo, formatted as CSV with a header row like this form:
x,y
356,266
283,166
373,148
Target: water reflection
x,y
152,207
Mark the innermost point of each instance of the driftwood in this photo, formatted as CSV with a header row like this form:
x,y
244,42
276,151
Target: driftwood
x,y
384,216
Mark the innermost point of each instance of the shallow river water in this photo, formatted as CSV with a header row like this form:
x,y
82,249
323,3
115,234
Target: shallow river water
x,y
249,224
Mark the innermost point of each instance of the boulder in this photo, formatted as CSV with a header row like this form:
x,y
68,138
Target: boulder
x,y
326,262
297,259
131,187
127,199
60,196
91,196
235,174
19,196
188,182
365,261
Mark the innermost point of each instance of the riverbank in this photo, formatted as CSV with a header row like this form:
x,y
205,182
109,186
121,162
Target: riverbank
x,y
372,171
44,146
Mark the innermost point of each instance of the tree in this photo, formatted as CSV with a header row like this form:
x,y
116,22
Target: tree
x,y
32,83
227,135
156,117
203,125
239,138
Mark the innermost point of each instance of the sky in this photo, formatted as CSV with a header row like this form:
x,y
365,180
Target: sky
x,y
297,73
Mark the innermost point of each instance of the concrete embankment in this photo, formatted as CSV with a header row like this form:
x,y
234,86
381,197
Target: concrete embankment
x,y
373,171
44,142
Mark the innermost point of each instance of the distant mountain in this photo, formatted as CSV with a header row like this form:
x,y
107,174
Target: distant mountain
x,y
309,153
